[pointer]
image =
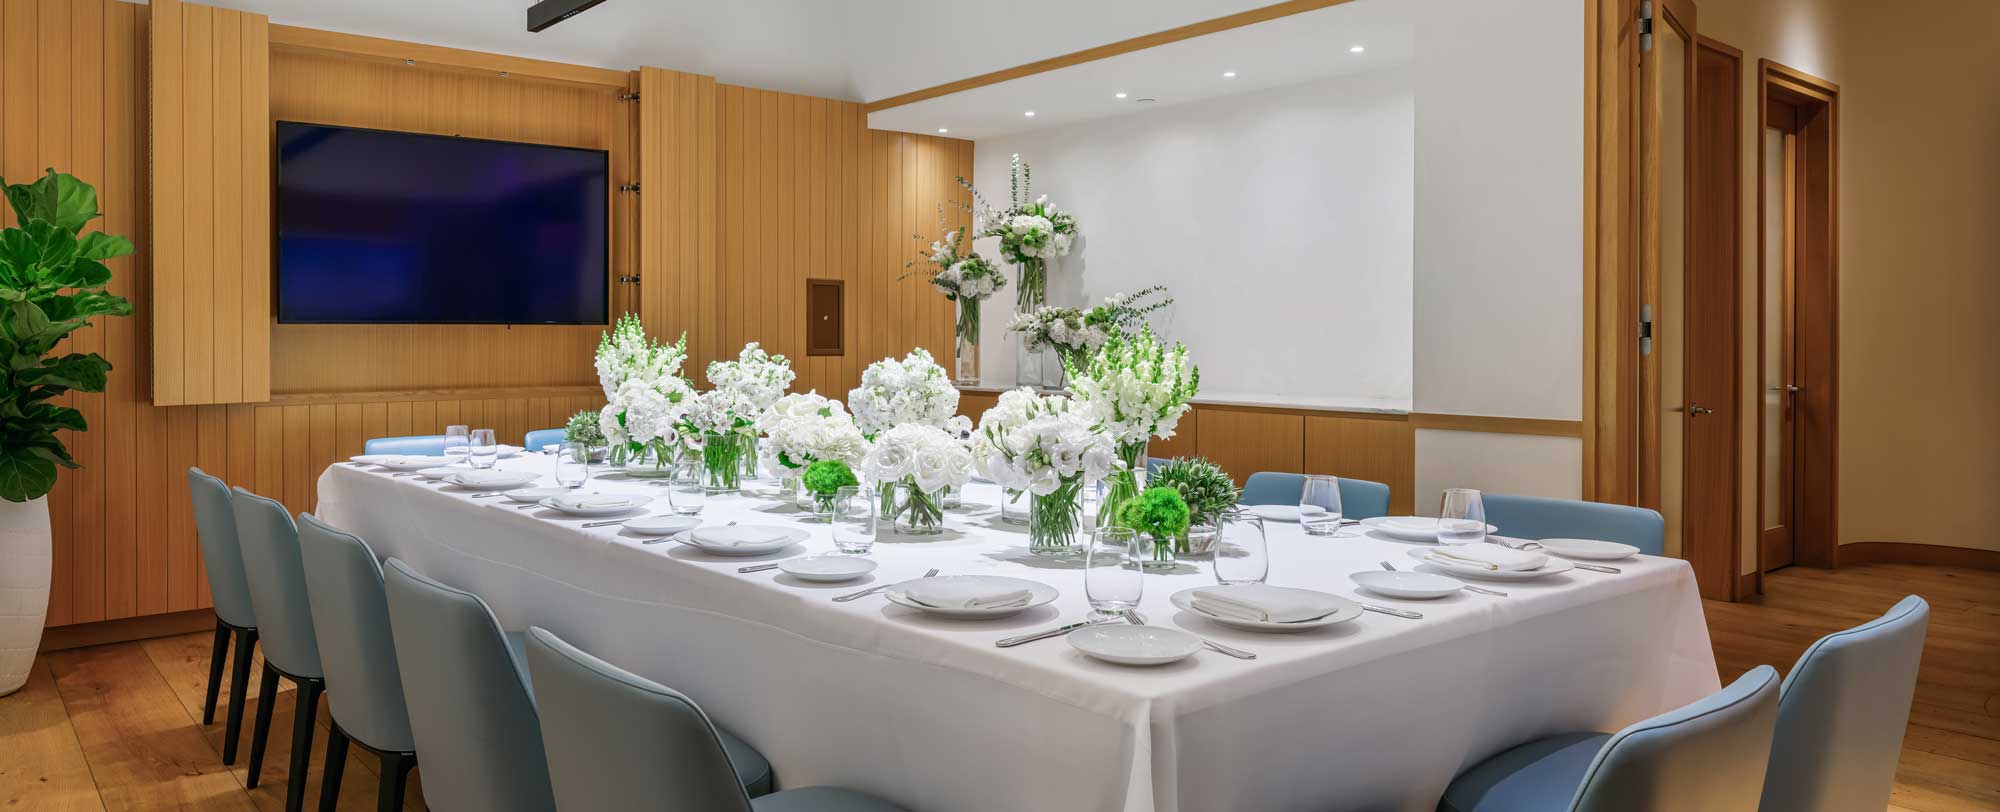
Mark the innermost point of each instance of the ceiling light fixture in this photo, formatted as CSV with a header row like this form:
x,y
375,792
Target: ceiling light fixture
x,y
1030,114
1119,95
1229,74
942,130
1356,49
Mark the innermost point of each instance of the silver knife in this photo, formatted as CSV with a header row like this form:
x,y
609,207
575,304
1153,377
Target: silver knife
x,y
1010,642
760,567
1397,612
1596,567
607,523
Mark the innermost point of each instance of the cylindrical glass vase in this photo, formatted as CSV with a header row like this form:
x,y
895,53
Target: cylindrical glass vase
x,y
1054,521
911,510
1014,506
722,459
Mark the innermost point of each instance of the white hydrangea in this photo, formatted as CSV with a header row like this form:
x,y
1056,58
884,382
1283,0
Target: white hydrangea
x,y
913,390
1035,444
802,429
921,452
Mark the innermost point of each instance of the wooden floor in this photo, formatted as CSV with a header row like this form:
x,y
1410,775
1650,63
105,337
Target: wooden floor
x,y
117,727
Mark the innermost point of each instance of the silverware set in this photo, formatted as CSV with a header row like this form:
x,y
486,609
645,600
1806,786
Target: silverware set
x,y
1405,613
1468,587
1010,642
1140,620
874,589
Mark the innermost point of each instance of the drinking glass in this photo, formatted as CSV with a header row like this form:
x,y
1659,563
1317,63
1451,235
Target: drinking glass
x,y
1462,517
456,442
687,489
1241,554
573,465
854,519
484,450
1319,506
1114,575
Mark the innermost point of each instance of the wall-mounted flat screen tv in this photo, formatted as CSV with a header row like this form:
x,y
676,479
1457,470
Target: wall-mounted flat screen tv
x,y
382,227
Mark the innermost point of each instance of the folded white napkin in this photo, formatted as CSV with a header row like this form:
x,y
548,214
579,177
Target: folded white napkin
x,y
737,535
1489,556
482,477
957,593
589,502
1262,602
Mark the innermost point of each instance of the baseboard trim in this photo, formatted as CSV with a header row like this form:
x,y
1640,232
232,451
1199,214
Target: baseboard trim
x,y
1748,586
79,635
1891,552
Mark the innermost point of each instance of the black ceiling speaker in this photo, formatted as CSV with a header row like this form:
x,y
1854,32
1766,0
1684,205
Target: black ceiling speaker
x,y
549,12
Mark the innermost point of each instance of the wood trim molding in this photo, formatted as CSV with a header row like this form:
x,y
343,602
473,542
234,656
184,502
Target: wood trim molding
x,y
142,627
1497,425
1126,46
1895,552
402,395
389,50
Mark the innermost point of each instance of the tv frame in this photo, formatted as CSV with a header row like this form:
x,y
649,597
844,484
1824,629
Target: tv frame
x,y
277,219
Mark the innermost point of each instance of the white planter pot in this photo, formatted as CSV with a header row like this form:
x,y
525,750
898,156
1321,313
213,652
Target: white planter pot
x,y
24,587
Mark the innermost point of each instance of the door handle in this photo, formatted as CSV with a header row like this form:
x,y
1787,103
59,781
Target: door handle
x,y
1693,410
1788,388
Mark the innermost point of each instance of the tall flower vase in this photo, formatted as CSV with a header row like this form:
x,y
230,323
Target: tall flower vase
x,y
1125,483
25,556
965,347
1015,506
722,458
1053,521
1033,291
911,510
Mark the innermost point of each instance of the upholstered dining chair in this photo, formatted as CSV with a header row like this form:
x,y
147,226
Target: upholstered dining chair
x,y
423,445
1709,754
1540,517
616,740
277,579
222,557
542,438
1842,713
1359,498
364,684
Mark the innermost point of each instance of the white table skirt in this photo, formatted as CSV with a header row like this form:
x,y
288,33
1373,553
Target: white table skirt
x,y
1377,713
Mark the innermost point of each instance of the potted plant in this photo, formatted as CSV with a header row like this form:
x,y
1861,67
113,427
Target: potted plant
x,y
1208,491
1161,514
52,279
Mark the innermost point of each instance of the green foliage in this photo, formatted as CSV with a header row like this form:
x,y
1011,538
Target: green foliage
x,y
583,428
824,477
1202,484
1158,512
52,280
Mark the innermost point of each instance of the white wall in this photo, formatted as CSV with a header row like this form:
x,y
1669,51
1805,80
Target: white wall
x,y
1281,222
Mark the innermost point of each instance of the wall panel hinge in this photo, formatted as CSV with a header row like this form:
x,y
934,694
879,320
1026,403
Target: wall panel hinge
x,y
629,187
1645,26
628,97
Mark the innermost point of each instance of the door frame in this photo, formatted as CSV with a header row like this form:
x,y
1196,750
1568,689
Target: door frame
x,y
1716,175
1815,536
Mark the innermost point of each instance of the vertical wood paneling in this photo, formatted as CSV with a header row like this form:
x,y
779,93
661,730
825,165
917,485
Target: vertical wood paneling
x,y
1245,441
1383,450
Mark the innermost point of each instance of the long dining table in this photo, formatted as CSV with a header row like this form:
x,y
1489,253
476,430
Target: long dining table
x,y
1376,713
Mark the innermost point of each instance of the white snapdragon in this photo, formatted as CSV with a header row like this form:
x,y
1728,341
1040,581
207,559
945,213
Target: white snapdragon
x,y
1136,388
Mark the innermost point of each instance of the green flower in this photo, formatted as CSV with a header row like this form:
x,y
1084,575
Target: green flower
x,y
1158,512
1207,490
583,428
826,476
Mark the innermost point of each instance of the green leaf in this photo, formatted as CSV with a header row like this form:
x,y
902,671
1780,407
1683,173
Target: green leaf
x,y
99,245
24,474
24,322
77,371
56,198
85,274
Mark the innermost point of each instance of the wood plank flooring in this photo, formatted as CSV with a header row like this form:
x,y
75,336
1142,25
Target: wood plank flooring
x,y
117,727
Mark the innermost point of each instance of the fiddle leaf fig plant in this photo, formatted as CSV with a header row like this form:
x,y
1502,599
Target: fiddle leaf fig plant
x,y
52,279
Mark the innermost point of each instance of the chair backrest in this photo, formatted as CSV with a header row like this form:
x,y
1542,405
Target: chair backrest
x,y
470,710
616,740
423,445
542,438
277,579
1359,498
1842,715
1707,755
351,618
1540,517
221,552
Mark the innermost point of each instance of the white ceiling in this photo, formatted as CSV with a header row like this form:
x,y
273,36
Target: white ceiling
x,y
1285,51
860,50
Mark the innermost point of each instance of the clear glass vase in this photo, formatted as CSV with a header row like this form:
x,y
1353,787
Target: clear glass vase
x,y
911,510
1053,520
1014,506
1123,485
722,459
965,347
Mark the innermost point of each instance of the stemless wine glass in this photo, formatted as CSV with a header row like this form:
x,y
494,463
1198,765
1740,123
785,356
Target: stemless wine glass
x,y
687,490
483,448
456,442
573,465
1462,517
1114,575
1319,505
854,519
1242,556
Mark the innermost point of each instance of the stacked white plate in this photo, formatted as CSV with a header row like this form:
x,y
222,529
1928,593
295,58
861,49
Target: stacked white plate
x,y
1588,549
1341,611
744,539
595,504
1461,570
971,597
489,480
1409,528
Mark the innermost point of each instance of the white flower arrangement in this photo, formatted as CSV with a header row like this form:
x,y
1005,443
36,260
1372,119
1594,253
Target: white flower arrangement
x,y
1136,388
1037,444
645,396
921,453
754,381
1031,232
892,393
800,430
1076,334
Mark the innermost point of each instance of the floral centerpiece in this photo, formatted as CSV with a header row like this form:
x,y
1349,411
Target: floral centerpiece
x,y
585,436
1135,389
1075,334
801,429
726,416
892,392
645,397
913,464
1031,232
1050,448
1162,514
967,278
824,479
1208,492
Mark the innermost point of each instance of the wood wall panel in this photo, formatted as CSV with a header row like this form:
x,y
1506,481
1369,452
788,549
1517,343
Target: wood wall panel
x,y
1247,440
678,291
210,196
1382,449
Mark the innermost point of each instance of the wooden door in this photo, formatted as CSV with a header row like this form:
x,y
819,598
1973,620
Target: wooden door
x,y
1779,377
1711,354
1667,127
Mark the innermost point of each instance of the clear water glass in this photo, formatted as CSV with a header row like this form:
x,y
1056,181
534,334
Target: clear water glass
x,y
687,488
457,440
1242,556
1319,506
1114,574
854,519
484,450
1461,517
573,465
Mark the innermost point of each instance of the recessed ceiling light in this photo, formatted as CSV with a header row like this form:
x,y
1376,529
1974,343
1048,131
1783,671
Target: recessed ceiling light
x,y
1030,114
944,129
1356,49
1229,74
1119,95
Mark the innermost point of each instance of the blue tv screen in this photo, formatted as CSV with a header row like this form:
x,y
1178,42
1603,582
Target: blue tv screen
x,y
382,227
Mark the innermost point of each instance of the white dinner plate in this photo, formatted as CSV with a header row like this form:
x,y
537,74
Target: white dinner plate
x,y
1401,584
1348,610
1554,566
662,524
372,459
1409,528
827,567
441,472
404,462
490,480
1588,549
509,451
1279,513
534,495
744,539
1039,593
596,504
1126,644
647,470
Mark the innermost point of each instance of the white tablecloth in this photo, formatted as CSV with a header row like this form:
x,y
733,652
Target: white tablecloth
x,y
1377,713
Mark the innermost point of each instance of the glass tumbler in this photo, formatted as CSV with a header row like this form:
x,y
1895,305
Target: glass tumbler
x,y
687,489
854,519
1319,506
1114,575
456,442
1461,517
484,450
573,465
1242,555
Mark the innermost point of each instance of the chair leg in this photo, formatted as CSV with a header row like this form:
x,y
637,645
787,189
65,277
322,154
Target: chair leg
x,y
267,696
304,708
336,764
395,777
216,654
239,687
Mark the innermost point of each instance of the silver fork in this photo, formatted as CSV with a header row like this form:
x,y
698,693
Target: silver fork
x,y
1468,587
1140,620
874,589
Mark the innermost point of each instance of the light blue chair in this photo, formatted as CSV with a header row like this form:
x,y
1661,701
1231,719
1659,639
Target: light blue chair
x,y
541,438
1359,498
1707,755
277,578
364,684
425,445
222,557
1540,517
616,740
1842,714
